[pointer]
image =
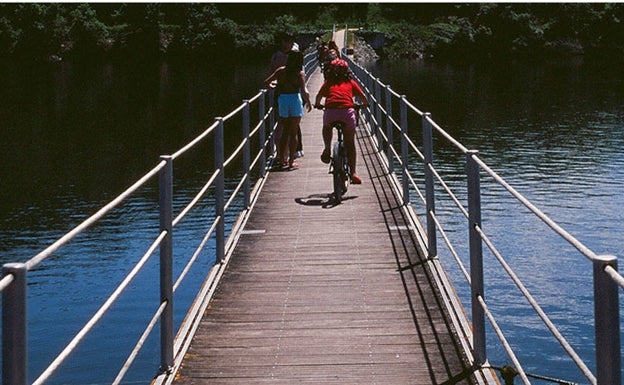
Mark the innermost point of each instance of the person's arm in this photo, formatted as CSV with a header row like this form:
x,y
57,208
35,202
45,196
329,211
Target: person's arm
x,y
305,94
271,81
358,93
321,93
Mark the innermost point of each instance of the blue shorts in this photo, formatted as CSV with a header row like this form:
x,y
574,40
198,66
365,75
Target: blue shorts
x,y
290,105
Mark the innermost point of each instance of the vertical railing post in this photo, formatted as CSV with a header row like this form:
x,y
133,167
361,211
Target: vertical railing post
x,y
404,151
166,264
378,114
246,155
432,244
262,133
14,330
272,128
373,111
389,130
476,257
219,191
607,322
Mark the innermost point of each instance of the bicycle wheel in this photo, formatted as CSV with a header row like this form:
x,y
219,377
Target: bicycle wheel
x,y
345,175
338,178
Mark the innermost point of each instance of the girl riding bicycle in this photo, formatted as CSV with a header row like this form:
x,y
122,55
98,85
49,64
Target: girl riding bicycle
x,y
338,89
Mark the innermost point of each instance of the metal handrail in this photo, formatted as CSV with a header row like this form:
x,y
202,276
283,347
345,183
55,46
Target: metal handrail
x,y
12,282
606,276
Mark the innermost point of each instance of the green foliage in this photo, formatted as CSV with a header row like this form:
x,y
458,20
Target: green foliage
x,y
46,30
10,33
328,15
197,33
88,33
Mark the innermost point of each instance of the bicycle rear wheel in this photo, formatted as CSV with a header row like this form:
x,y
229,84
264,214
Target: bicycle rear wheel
x,y
338,177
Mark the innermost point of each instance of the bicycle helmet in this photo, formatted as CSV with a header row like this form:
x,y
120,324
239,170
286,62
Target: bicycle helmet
x,y
339,67
339,63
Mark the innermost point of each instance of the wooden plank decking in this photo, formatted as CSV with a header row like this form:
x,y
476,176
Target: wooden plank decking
x,y
315,293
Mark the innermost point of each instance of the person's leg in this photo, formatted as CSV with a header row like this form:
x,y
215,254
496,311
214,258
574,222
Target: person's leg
x,y
349,138
282,141
293,124
327,139
277,138
299,140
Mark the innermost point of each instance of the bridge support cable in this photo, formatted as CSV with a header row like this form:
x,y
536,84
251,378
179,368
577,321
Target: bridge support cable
x,y
14,325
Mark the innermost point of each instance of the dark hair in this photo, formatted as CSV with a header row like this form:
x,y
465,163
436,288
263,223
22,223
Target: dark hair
x,y
294,62
283,37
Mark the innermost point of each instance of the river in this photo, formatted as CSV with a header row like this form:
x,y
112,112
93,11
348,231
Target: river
x,y
75,135
555,132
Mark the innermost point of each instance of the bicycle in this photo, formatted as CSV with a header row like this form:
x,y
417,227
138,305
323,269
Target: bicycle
x,y
339,165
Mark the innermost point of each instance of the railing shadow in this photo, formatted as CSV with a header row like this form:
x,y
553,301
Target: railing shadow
x,y
392,121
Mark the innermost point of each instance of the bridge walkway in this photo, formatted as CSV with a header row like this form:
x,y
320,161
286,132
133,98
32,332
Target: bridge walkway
x,y
326,294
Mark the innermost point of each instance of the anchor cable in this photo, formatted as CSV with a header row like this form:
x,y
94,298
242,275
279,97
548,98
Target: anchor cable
x,y
509,373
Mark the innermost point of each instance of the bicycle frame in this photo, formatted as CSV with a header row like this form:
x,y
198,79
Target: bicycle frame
x,y
339,165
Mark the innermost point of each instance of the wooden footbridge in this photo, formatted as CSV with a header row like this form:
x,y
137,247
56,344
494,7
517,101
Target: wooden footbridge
x,y
304,290
328,294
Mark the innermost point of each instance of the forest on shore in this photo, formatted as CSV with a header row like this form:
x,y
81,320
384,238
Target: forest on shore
x,y
449,31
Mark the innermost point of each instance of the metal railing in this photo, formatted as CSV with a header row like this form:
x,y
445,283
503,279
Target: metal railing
x,y
257,127
392,133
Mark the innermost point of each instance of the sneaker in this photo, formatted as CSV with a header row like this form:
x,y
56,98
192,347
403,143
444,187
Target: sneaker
x,y
325,156
355,179
299,154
